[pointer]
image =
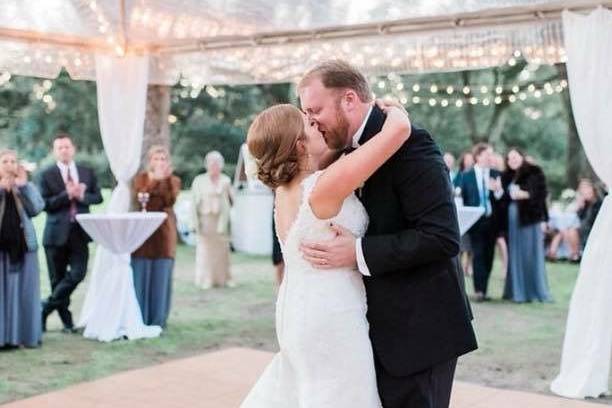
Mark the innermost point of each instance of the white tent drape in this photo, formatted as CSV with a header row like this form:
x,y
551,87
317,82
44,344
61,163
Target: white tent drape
x,y
585,362
110,309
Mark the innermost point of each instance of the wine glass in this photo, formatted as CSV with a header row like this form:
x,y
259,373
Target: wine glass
x,y
143,199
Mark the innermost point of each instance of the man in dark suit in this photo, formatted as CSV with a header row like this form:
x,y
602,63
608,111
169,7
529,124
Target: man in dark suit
x,y
481,187
68,189
419,321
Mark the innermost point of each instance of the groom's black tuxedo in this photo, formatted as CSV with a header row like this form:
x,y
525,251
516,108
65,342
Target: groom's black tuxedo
x,y
416,305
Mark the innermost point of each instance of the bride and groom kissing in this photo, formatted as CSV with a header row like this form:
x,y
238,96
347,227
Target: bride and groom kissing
x,y
372,310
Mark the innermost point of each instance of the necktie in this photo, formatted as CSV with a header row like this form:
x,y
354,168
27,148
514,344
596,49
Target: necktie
x,y
485,196
73,206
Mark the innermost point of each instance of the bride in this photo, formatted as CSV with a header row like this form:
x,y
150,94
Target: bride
x,y
325,357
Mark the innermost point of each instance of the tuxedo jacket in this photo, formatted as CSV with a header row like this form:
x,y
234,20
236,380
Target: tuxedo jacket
x,y
417,309
57,204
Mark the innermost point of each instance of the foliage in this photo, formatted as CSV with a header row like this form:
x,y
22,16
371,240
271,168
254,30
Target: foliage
x,y
218,118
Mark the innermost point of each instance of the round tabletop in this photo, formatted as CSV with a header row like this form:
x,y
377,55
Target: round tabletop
x,y
121,233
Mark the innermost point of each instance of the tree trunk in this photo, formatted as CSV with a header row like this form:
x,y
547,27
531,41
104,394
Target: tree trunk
x,y
470,111
577,165
156,126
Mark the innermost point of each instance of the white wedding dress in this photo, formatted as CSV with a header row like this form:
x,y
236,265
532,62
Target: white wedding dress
x,y
325,358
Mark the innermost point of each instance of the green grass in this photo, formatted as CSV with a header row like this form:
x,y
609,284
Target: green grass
x,y
520,344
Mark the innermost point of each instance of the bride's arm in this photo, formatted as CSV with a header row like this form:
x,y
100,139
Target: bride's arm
x,y
351,171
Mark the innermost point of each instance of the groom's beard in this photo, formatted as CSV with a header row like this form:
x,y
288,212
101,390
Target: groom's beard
x,y
336,138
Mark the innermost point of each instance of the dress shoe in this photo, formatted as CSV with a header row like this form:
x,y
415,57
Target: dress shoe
x,y
70,330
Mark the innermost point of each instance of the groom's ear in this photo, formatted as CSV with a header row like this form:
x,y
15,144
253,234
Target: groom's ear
x,y
350,99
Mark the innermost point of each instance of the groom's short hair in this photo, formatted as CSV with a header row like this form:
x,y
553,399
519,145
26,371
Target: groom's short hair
x,y
339,74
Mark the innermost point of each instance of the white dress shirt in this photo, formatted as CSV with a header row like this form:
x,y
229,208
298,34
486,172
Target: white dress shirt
x,y
485,172
361,263
65,168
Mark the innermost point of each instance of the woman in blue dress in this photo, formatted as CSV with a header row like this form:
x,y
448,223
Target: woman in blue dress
x,y
525,190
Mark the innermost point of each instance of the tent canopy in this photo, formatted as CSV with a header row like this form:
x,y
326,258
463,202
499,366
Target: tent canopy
x,y
231,41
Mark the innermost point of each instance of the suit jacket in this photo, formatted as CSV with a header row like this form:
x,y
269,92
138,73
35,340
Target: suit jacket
x,y
416,307
471,197
57,204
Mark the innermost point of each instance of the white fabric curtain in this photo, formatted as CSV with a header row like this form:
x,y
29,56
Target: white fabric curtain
x,y
110,309
122,89
585,362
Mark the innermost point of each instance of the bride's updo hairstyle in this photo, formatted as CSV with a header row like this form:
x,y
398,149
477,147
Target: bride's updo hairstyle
x,y
273,142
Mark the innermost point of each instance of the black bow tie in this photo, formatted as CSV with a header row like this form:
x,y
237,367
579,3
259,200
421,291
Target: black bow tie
x,y
349,150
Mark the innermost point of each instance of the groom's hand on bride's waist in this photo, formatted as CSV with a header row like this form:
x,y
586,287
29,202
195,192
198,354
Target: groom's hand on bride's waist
x,y
338,252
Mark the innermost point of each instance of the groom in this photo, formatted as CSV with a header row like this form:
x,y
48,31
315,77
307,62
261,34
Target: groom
x,y
419,321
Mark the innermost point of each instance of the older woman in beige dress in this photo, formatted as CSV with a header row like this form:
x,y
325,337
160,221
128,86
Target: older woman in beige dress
x,y
212,200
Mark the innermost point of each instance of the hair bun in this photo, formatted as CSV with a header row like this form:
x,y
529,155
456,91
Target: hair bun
x,y
272,141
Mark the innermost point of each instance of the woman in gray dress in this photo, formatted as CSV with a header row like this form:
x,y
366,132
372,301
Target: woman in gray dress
x,y
20,319
525,190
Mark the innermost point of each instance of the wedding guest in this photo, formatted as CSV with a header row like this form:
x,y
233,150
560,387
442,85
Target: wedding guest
x,y
563,228
277,256
19,272
525,187
153,262
212,201
588,204
481,187
466,162
449,160
501,220
68,189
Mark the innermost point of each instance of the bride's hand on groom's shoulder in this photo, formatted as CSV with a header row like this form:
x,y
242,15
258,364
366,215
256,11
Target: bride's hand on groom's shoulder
x,y
387,104
336,253
397,116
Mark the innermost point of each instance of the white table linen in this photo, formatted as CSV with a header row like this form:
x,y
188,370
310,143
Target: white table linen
x,y
467,217
111,310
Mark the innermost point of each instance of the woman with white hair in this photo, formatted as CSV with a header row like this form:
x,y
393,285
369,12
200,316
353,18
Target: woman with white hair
x,y
212,200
